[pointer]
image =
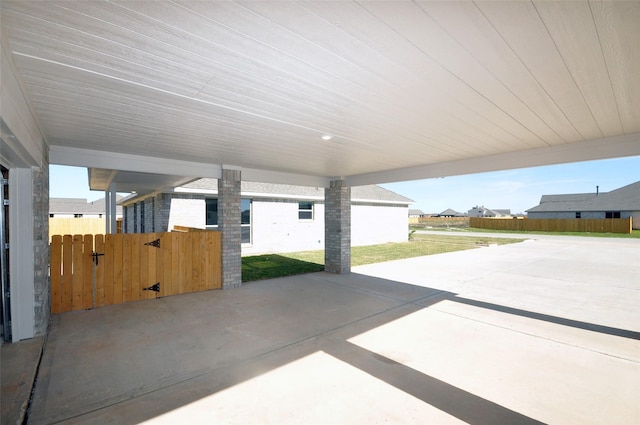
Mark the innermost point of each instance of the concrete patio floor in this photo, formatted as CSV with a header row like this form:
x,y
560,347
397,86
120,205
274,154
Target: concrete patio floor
x,y
545,331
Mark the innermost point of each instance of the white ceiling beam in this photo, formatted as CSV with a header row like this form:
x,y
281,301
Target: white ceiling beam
x,y
277,177
610,147
62,155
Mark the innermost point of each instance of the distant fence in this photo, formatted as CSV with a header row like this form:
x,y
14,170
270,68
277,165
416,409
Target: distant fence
x,y
605,225
441,222
89,272
80,226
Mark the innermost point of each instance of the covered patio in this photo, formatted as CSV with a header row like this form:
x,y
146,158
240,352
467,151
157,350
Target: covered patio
x,y
544,331
151,95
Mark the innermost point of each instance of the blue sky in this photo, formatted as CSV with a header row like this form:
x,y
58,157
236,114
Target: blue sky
x,y
517,190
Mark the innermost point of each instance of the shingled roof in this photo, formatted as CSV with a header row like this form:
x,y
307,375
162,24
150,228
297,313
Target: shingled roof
x,y
451,213
369,193
626,198
80,206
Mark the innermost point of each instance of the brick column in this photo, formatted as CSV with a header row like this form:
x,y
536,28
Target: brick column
x,y
229,225
337,228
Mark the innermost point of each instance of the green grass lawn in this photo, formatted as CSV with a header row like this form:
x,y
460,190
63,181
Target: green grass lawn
x,y
278,265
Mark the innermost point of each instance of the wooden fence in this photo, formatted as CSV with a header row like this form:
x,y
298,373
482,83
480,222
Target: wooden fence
x,y
440,222
604,225
89,272
80,226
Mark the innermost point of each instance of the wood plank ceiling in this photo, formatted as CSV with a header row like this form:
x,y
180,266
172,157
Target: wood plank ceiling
x,y
396,84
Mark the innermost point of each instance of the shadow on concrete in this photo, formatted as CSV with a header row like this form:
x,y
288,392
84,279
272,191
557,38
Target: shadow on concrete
x,y
134,362
593,327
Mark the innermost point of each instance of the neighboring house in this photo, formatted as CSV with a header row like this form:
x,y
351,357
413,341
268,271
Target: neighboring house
x,y
413,213
275,217
481,211
450,213
79,208
620,203
72,216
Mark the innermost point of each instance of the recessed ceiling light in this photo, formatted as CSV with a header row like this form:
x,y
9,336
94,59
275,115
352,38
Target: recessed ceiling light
x,y
326,137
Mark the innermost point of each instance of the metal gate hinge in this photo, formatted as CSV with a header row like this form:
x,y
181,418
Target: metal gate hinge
x,y
155,243
155,287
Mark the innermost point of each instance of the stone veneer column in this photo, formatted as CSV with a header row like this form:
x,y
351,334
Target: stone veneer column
x,y
337,228
229,225
41,246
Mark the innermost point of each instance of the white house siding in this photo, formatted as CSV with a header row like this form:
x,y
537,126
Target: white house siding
x,y
275,227
372,225
187,212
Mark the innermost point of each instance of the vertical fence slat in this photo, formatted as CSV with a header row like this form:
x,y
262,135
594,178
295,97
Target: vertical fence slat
x,y
56,274
67,273
135,268
187,259
196,271
182,266
150,272
100,269
127,278
205,257
165,263
107,265
161,264
118,268
176,273
78,242
218,259
144,252
87,272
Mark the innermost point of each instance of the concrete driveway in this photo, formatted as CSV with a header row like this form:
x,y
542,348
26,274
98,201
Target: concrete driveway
x,y
545,331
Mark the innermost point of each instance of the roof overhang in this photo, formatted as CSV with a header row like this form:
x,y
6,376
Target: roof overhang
x,y
152,94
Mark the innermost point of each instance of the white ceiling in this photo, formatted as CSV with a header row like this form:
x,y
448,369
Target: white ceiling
x,y
406,89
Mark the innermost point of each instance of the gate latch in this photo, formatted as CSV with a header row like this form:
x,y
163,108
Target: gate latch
x,y
95,256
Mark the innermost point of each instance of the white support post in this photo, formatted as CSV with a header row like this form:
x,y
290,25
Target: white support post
x,y
112,209
107,211
21,258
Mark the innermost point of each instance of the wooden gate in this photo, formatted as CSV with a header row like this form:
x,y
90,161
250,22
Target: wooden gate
x,y
89,272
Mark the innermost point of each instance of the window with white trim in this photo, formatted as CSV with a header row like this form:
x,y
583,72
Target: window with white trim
x,y
211,218
305,210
